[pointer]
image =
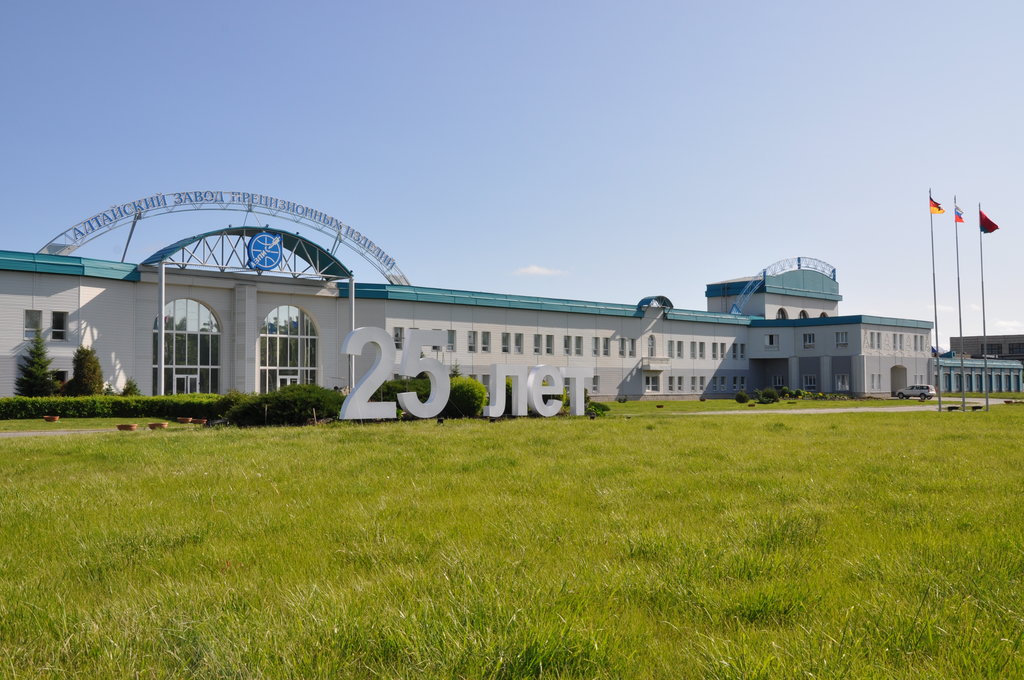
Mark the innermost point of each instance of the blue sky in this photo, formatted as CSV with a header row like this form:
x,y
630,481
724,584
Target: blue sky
x,y
592,150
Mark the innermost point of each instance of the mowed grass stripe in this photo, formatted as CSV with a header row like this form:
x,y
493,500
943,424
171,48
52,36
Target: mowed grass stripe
x,y
846,545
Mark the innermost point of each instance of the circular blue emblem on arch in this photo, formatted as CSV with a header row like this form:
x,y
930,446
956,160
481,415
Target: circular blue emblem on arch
x,y
264,251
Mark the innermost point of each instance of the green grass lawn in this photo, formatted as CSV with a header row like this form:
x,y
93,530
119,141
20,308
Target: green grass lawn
x,y
40,425
862,545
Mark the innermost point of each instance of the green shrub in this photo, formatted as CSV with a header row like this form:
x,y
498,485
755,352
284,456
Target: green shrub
x,y
742,397
766,396
87,376
596,408
207,406
131,389
390,390
785,393
290,405
466,400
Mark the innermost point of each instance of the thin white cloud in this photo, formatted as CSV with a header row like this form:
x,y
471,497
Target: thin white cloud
x,y
1008,327
537,270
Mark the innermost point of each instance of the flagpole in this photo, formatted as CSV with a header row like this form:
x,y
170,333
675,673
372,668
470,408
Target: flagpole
x,y
935,306
984,331
959,309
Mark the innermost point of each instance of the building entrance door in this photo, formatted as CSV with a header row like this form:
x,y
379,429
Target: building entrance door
x,y
186,384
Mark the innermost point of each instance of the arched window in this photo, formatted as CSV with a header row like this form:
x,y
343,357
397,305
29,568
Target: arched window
x,y
288,349
191,348
804,314
781,314
652,346
823,315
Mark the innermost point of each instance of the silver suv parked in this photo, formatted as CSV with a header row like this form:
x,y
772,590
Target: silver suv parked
x,y
921,392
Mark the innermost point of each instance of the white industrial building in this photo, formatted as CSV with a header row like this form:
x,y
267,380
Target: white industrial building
x,y
234,320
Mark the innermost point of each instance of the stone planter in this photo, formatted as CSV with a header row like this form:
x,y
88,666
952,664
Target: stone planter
x,y
184,420
199,421
157,426
51,419
127,428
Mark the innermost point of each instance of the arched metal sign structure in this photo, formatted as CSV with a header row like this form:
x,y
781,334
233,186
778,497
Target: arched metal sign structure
x,y
787,265
239,201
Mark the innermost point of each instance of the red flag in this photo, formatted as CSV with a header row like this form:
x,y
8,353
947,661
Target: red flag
x,y
987,225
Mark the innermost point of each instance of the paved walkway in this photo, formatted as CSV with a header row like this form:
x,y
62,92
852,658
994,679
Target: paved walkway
x,y
924,406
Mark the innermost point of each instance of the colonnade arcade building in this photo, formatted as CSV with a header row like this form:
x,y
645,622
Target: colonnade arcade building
x,y
254,308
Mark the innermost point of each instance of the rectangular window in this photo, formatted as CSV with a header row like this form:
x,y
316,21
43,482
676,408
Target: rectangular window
x,y
606,347
693,350
33,323
1015,348
743,350
721,349
597,385
735,351
721,383
549,346
538,343
471,341
771,341
59,326
714,350
808,340
451,340
597,347
842,339
810,382
778,381
671,384
652,383
579,345
670,346
485,341
735,383
993,349
622,347
506,343
519,343
700,350
702,383
399,335
841,382
693,383
567,344
632,347
743,382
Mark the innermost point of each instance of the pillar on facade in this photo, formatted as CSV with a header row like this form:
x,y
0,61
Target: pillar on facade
x,y
794,372
246,340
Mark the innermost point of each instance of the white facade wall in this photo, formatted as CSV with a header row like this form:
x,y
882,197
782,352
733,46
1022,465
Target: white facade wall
x,y
707,358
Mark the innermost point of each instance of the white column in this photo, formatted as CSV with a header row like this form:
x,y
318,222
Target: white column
x,y
162,303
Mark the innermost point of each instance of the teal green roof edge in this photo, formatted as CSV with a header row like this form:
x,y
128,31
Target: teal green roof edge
x,y
842,320
954,362
387,291
67,265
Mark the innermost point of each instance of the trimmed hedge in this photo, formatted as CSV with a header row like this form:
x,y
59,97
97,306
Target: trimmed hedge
x,y
207,406
290,405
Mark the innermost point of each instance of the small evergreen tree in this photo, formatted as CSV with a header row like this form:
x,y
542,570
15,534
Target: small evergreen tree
x,y
35,378
87,375
131,389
